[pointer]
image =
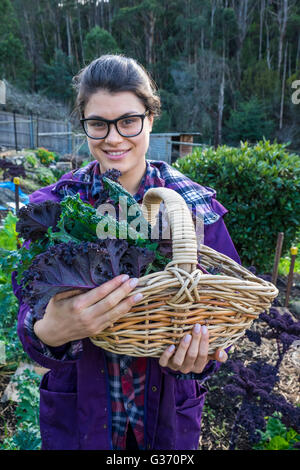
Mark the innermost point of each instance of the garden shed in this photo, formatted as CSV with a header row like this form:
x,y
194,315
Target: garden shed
x,y
171,145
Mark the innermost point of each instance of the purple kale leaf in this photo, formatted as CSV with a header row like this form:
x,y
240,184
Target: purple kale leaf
x,y
34,219
254,385
136,260
282,328
86,265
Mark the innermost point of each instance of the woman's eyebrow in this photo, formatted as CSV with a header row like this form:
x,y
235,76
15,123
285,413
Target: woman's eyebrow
x,y
95,116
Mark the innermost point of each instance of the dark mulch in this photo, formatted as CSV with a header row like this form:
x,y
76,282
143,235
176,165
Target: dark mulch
x,y
220,409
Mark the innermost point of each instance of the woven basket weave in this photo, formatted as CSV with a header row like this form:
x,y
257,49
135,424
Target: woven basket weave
x,y
180,296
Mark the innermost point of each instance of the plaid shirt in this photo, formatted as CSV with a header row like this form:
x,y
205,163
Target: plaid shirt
x,y
127,375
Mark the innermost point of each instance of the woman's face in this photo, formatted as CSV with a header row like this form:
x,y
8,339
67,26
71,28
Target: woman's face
x,y
126,154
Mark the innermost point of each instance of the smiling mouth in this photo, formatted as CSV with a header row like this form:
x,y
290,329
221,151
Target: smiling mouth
x,y
116,154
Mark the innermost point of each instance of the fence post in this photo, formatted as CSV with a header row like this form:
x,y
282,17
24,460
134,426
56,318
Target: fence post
x,y
15,130
31,132
70,147
37,132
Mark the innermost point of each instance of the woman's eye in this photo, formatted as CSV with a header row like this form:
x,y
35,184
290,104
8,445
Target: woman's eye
x,y
98,124
128,121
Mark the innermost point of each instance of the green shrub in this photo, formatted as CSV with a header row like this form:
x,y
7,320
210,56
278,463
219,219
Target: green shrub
x,y
277,436
260,186
45,156
27,435
31,160
45,176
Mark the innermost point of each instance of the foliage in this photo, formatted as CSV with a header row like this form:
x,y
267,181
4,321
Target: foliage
x,y
277,436
27,436
260,187
45,156
248,122
98,41
8,234
13,63
55,78
64,248
45,176
8,302
10,169
31,160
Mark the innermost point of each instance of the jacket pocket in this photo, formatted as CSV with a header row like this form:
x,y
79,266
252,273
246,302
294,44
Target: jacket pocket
x,y
188,420
58,419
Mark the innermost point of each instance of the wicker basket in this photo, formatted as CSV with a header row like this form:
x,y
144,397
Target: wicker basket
x,y
180,296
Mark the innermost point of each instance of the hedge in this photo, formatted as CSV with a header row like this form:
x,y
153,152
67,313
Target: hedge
x,y
260,186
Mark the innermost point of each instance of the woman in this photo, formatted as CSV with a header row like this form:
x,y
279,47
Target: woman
x,y
92,399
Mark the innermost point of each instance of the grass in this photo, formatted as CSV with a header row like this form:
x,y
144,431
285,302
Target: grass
x,y
285,261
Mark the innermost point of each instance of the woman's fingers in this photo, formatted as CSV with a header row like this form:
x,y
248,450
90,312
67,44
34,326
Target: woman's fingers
x,y
191,354
112,291
202,356
166,356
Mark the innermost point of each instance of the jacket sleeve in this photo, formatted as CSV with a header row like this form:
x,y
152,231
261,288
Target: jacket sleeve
x,y
47,356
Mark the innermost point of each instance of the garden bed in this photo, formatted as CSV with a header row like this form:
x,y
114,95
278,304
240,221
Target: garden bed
x,y
220,408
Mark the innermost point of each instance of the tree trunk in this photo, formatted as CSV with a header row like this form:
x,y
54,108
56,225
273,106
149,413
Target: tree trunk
x,y
283,87
69,42
218,139
149,28
268,55
298,54
261,22
282,17
80,34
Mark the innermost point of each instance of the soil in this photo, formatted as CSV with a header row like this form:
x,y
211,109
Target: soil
x,y
220,409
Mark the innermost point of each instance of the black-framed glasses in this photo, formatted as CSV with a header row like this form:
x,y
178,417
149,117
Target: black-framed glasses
x,y
127,126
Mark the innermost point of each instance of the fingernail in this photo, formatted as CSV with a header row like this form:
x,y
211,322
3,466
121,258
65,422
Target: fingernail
x,y
125,277
133,282
171,348
204,329
221,355
138,297
187,339
197,328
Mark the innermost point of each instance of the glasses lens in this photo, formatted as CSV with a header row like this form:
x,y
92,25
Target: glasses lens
x,y
95,129
130,125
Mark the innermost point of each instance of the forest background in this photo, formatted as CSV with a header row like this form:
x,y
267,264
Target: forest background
x,y
228,69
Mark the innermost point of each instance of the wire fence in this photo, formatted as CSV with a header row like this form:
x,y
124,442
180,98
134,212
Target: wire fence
x,y
19,131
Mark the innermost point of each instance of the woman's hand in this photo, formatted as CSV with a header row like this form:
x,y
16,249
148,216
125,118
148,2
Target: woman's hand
x,y
192,353
75,315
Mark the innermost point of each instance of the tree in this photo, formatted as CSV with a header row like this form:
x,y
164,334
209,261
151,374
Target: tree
x,y
13,65
55,78
248,122
98,41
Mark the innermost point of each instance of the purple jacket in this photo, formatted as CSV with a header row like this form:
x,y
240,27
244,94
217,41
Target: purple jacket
x,y
75,410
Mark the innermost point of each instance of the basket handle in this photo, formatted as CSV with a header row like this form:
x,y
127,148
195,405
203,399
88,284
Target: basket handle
x,y
184,241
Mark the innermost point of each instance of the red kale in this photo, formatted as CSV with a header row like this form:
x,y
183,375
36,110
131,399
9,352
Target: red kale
x,y
69,266
34,219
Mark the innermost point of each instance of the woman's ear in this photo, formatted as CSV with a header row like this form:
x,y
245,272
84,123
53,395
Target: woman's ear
x,y
151,120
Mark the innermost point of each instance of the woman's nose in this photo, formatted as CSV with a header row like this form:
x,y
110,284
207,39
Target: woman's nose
x,y
113,135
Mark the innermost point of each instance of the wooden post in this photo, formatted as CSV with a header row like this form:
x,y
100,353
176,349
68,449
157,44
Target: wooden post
x,y
294,252
17,197
280,238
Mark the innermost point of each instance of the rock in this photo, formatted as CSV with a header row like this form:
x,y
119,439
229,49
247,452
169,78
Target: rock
x,y
11,393
64,166
294,306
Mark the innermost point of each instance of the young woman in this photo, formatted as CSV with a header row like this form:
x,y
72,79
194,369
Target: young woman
x,y
92,399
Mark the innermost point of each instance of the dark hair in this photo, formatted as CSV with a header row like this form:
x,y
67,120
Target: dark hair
x,y
116,73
